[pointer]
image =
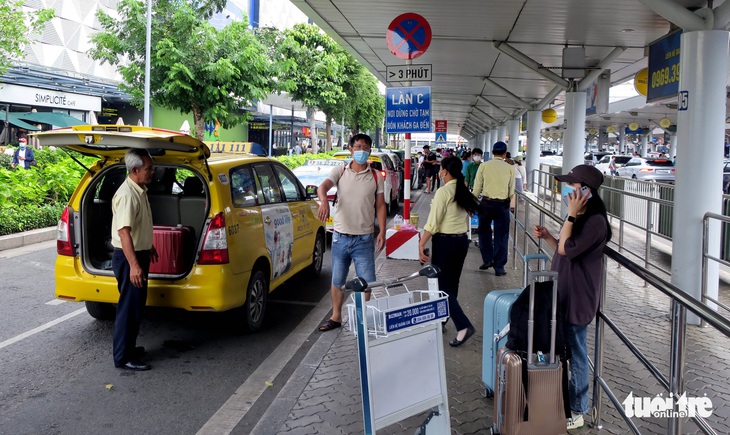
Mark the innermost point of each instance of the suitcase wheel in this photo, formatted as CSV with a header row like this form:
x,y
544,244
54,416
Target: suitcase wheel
x,y
488,393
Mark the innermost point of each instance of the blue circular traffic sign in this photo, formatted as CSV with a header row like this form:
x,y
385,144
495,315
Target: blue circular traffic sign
x,y
408,36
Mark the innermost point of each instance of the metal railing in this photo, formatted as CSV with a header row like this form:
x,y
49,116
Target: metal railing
x,y
725,222
680,301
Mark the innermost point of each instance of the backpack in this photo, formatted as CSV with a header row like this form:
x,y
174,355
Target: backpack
x,y
519,314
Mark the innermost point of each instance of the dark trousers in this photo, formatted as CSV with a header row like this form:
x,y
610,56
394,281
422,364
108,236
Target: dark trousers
x,y
132,301
449,253
496,251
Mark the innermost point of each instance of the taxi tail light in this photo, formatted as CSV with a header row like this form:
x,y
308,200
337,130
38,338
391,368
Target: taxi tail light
x,y
382,173
64,243
215,246
674,170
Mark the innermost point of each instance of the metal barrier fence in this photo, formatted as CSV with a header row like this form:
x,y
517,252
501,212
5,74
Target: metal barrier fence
x,y
681,302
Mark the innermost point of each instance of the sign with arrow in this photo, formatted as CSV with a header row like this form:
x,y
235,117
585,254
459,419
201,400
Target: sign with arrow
x,y
403,73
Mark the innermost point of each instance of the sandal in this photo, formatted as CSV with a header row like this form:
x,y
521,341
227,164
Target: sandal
x,y
329,325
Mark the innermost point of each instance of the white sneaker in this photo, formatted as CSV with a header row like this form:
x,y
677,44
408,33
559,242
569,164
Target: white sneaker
x,y
575,421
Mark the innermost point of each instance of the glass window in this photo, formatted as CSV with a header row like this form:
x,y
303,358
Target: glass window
x,y
243,187
269,192
605,159
289,184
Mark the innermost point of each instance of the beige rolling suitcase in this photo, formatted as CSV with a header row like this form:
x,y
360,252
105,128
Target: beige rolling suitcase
x,y
534,405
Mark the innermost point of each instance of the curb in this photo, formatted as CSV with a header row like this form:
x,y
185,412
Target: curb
x,y
18,240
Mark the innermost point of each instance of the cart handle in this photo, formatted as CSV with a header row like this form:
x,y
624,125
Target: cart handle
x,y
360,285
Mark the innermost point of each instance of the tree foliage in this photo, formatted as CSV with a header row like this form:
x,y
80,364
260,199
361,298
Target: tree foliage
x,y
196,68
369,110
16,29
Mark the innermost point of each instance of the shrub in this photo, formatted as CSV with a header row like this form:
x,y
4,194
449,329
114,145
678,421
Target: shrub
x,y
29,217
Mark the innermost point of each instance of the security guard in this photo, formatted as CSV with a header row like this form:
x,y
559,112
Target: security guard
x,y
495,183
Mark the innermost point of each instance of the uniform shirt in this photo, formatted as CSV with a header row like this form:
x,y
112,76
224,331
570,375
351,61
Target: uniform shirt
x,y
471,173
131,208
446,217
355,212
495,179
580,270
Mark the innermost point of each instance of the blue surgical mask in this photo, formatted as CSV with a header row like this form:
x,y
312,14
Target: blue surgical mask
x,y
361,156
567,190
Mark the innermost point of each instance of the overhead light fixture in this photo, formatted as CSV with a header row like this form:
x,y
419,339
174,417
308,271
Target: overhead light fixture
x,y
627,30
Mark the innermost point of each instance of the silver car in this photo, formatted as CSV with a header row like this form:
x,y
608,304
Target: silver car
x,y
640,168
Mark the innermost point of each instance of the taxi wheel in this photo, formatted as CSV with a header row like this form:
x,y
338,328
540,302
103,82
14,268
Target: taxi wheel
x,y
317,256
101,310
255,307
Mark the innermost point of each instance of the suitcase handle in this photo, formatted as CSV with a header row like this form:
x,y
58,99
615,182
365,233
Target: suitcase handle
x,y
529,257
533,277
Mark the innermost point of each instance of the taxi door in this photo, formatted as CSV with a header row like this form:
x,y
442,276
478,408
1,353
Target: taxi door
x,y
302,214
245,221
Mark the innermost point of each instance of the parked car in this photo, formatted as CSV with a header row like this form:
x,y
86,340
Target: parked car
x,y
248,224
313,173
592,158
381,162
605,162
414,168
640,168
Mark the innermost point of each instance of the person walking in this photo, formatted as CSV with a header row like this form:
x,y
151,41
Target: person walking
x,y
446,228
429,162
360,199
578,259
471,170
495,183
23,156
133,252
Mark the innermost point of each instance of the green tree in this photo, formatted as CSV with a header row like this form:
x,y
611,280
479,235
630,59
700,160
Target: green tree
x,y
315,70
367,106
194,67
16,29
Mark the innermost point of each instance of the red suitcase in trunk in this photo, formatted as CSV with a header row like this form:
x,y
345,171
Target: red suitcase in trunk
x,y
171,244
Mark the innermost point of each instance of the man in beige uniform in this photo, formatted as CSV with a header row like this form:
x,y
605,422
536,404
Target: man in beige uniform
x,y
495,182
133,251
359,193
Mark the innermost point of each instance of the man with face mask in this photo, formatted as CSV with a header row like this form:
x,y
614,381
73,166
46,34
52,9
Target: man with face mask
x,y
359,196
23,155
471,170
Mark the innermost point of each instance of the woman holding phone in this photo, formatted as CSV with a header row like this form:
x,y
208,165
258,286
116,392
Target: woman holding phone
x,y
447,227
578,259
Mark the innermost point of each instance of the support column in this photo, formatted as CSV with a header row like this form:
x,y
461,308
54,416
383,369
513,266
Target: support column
x,y
574,138
513,126
622,140
501,133
485,139
534,122
701,122
672,145
644,144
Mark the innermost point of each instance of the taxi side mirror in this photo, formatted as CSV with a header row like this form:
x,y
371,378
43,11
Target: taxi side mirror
x,y
311,191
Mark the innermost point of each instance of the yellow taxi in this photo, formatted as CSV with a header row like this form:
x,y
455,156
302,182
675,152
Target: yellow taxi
x,y
382,163
229,228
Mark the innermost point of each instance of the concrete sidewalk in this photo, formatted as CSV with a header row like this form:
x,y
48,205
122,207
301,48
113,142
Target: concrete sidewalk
x,y
323,394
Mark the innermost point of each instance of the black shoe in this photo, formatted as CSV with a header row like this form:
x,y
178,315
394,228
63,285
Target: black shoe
x,y
486,266
137,366
500,272
456,342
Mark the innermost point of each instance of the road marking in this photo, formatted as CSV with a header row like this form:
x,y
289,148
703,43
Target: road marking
x,y
232,412
41,328
55,302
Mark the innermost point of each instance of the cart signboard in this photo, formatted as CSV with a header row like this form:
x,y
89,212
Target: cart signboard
x,y
414,315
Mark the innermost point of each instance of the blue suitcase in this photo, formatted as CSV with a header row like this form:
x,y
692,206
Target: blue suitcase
x,y
497,306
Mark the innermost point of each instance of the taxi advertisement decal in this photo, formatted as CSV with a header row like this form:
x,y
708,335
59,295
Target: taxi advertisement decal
x,y
279,234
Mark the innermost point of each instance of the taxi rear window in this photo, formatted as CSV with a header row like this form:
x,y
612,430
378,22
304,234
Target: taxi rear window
x,y
660,162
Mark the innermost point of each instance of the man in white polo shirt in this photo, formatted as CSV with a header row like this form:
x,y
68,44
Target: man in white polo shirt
x,y
360,194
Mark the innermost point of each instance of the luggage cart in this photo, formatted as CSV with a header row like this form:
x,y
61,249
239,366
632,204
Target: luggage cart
x,y
473,227
401,352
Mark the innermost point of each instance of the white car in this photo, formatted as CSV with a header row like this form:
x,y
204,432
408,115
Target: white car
x,y
639,168
605,161
313,173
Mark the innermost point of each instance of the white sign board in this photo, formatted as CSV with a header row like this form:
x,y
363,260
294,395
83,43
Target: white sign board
x,y
405,73
47,98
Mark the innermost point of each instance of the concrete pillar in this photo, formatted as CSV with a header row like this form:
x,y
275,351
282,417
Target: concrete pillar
x,y
672,145
532,162
485,139
574,138
698,189
622,140
493,137
501,133
644,145
513,125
